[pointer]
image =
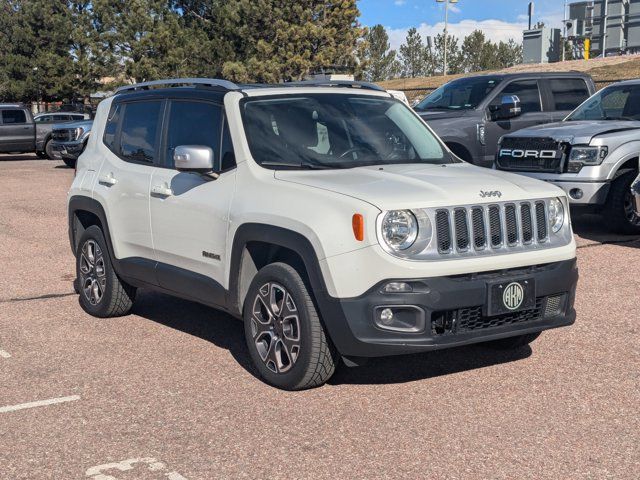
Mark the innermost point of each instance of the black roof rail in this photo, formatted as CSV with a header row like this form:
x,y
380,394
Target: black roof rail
x,y
174,82
333,83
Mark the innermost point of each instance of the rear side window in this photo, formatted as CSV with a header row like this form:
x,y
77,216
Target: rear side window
x,y
193,123
528,93
568,93
10,117
111,129
139,132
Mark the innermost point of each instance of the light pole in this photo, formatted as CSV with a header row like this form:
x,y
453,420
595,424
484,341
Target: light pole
x,y
37,75
446,28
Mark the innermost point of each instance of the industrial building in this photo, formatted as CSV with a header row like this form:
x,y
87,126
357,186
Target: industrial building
x,y
611,25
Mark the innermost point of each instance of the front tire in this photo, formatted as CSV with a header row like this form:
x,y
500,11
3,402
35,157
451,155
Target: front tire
x,y
69,162
285,337
48,150
102,293
513,343
42,155
619,211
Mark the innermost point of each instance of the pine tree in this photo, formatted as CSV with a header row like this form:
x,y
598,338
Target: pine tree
x,y
454,55
381,59
412,55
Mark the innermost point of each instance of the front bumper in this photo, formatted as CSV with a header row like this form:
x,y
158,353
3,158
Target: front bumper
x,y
69,150
583,192
462,299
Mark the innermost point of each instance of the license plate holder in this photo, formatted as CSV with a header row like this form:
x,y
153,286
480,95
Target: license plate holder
x,y
510,296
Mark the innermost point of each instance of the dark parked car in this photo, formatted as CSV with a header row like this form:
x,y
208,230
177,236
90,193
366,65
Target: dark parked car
x,y
470,114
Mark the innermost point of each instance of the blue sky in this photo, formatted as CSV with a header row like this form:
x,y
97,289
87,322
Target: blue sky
x,y
499,19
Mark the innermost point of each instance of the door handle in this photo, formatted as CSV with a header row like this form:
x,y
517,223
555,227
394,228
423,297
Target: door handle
x,y
108,180
162,190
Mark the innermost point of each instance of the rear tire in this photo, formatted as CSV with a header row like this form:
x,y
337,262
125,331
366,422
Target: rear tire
x,y
513,343
102,292
619,212
42,155
285,337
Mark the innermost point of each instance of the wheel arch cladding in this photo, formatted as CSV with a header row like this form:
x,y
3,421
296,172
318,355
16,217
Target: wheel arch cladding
x,y
257,245
83,213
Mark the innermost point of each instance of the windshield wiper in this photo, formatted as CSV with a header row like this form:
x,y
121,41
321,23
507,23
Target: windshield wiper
x,y
302,165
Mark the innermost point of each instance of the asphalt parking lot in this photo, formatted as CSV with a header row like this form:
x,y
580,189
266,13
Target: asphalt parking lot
x,y
168,392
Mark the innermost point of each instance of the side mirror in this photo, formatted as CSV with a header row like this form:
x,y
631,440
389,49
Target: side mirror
x,y
509,106
193,158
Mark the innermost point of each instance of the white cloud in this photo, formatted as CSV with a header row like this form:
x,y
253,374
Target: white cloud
x,y
399,2
494,30
454,8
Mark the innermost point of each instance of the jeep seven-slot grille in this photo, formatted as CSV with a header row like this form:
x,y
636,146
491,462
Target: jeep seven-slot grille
x,y
529,162
495,226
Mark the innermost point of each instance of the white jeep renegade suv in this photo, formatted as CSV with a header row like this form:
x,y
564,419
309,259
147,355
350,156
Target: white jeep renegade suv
x,y
329,218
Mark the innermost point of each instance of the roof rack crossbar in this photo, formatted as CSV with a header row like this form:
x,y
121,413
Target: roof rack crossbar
x,y
173,82
334,83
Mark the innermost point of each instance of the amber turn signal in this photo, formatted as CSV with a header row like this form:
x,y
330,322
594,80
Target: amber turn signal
x,y
357,222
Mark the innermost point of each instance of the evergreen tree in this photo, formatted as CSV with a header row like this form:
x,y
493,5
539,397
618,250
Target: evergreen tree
x,y
412,55
454,55
381,60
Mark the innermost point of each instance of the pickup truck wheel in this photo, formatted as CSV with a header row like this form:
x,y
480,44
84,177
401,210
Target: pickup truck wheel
x,y
285,337
48,150
102,292
619,211
41,155
513,343
69,162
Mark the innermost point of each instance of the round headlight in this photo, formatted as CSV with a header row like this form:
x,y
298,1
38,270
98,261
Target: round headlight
x,y
556,215
399,229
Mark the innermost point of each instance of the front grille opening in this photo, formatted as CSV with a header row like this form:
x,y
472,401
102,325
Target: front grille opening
x,y
527,226
479,234
495,227
443,231
541,220
512,224
462,229
555,305
472,318
442,322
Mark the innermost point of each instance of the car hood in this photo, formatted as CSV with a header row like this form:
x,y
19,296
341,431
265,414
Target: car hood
x,y
576,132
420,186
85,124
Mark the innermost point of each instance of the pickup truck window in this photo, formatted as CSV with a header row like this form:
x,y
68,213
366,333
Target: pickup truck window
x,y
13,116
462,94
568,93
618,102
528,93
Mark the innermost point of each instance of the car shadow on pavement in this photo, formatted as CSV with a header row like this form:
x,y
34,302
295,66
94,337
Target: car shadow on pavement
x,y
227,332
593,230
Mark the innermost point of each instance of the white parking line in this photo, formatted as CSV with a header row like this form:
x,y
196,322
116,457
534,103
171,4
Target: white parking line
x,y
153,465
4,354
39,403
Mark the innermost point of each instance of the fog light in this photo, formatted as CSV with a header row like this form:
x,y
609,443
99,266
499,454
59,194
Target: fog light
x,y
397,287
400,318
386,316
576,193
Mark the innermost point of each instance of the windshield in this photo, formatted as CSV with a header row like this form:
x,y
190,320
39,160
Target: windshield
x,y
337,131
617,102
463,94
